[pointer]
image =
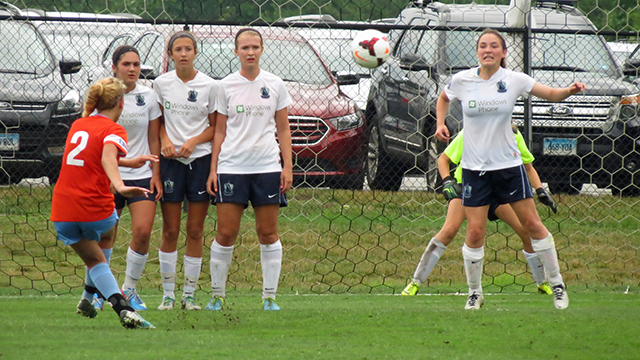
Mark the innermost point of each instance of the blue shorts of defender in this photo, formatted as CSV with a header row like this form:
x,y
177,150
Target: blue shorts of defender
x,y
180,180
260,189
504,186
70,232
121,201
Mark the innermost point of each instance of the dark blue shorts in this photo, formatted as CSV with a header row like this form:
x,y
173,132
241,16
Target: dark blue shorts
x,y
180,180
70,232
260,189
121,201
505,186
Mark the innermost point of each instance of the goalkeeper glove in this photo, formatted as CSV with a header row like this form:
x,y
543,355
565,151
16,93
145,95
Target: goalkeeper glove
x,y
544,198
451,189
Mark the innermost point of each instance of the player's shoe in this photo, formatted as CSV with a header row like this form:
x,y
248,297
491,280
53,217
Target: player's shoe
x,y
216,304
545,289
474,302
269,304
98,302
86,309
410,290
189,303
134,299
132,320
167,303
560,297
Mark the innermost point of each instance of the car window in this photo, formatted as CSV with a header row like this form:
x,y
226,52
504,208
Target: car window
x,y
151,49
23,49
581,51
118,41
337,54
409,43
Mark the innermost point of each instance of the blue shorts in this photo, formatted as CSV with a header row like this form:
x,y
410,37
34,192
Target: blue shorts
x,y
504,186
121,201
180,180
260,189
70,232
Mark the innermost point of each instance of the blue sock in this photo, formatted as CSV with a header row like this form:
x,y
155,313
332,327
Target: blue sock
x,y
87,279
104,280
107,255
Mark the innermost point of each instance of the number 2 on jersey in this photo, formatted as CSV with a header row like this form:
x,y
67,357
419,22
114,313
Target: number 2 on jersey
x,y
83,138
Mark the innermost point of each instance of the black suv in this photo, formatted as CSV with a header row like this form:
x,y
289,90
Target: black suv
x,y
588,138
37,105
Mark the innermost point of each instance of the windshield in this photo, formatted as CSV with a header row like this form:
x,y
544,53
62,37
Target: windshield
x,y
337,54
23,50
291,60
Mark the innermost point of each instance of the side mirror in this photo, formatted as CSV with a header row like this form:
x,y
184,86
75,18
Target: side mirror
x,y
631,67
70,66
415,62
147,72
346,78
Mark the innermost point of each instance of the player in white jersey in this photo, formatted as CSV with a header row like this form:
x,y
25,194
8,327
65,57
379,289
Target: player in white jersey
x,y
492,169
246,166
187,98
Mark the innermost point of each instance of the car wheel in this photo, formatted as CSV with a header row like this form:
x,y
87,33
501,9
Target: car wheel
x,y
382,172
565,188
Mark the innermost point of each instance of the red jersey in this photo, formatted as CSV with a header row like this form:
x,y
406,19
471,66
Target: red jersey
x,y
82,191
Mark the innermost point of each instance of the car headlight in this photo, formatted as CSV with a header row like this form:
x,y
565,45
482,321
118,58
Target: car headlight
x,y
71,103
347,122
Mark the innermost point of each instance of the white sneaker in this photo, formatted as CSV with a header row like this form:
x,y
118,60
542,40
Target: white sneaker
x,y
474,302
189,303
167,303
132,320
560,297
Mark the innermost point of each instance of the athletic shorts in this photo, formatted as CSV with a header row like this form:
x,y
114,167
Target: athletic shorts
x,y
504,186
121,201
260,189
180,180
70,232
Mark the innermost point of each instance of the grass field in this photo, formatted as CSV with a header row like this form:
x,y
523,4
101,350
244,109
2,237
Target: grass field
x,y
603,325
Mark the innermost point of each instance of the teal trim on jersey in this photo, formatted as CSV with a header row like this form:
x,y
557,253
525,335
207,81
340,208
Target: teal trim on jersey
x,y
454,152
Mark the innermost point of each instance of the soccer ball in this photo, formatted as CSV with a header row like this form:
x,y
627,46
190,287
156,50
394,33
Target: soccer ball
x,y
370,48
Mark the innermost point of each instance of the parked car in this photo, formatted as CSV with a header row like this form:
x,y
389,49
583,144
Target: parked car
x,y
328,129
588,138
37,104
621,51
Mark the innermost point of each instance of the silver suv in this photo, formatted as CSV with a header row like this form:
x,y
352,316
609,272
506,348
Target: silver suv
x,y
588,138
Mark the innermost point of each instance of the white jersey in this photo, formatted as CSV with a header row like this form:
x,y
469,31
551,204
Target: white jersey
x,y
250,145
487,107
186,109
140,108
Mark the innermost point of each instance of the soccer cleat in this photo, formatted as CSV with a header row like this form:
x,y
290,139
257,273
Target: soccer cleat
x,y
189,303
98,302
560,297
474,302
410,290
167,303
545,289
215,304
132,320
269,304
86,309
134,299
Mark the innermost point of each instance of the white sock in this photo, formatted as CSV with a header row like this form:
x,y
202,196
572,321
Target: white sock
x,y
536,267
473,261
221,257
271,259
429,259
168,263
192,268
546,250
135,266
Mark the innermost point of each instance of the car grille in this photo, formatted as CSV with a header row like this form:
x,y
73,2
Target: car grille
x,y
587,113
25,106
306,130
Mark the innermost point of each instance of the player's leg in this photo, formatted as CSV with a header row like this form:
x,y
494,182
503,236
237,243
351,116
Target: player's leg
x,y
473,254
506,214
196,215
437,245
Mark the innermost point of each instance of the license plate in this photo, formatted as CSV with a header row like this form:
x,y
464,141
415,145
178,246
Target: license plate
x,y
9,142
559,146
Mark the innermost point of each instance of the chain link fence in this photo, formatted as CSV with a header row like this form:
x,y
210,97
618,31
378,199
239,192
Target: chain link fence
x,y
366,198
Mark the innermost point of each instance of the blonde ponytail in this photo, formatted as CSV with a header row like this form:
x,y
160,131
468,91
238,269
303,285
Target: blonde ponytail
x,y
103,95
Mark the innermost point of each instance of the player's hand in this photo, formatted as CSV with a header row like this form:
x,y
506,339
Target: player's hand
x,y
286,180
212,182
442,133
576,87
155,185
451,189
168,150
133,191
141,160
187,148
546,199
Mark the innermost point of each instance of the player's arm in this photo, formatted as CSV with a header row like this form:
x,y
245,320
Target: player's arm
x,y
450,187
167,147
536,183
110,165
284,139
138,162
154,146
442,109
556,94
220,132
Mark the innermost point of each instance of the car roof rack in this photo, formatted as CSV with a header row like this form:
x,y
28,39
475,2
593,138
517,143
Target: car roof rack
x,y
420,3
325,18
556,4
12,9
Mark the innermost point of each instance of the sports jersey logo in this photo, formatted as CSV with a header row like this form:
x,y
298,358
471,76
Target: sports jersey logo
x,y
227,189
140,100
502,87
466,191
240,109
193,96
264,92
168,186
472,104
167,105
